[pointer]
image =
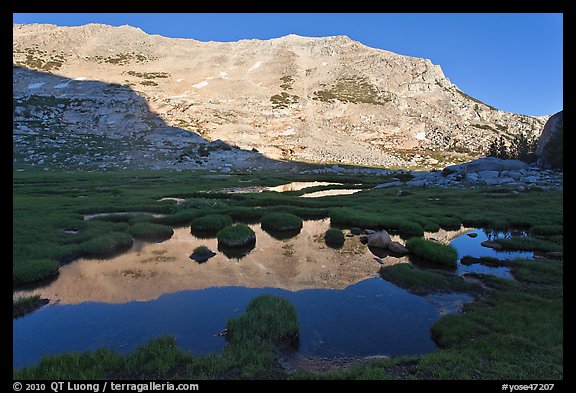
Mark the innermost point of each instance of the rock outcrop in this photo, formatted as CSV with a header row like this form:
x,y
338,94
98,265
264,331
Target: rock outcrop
x,y
550,145
327,99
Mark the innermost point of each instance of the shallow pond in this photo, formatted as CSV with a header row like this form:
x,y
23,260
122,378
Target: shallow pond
x,y
345,308
297,186
471,246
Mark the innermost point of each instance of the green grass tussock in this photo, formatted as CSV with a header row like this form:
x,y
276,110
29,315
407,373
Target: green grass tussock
x,y
34,270
238,235
27,304
281,222
334,237
518,243
433,251
424,281
270,319
211,223
150,231
106,245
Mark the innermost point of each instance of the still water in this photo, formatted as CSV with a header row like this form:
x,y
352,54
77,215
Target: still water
x,y
345,309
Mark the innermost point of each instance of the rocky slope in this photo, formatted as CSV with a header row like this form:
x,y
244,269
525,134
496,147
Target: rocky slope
x,y
95,91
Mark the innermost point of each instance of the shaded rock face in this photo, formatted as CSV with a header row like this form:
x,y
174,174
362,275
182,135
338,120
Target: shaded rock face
x,y
550,145
327,99
379,239
549,128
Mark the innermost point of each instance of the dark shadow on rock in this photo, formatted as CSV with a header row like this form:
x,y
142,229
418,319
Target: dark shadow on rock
x,y
109,115
379,251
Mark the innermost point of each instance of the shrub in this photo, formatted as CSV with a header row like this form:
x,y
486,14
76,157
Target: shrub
x,y
281,222
211,223
238,235
150,231
433,251
334,237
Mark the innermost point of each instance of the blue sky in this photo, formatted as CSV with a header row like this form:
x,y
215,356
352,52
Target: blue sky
x,y
513,62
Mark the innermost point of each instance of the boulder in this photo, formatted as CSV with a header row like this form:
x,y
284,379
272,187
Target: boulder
x,y
472,177
485,164
488,174
417,183
379,239
389,184
398,248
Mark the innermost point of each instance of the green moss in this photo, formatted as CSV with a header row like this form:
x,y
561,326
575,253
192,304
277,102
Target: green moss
x,y
238,235
433,251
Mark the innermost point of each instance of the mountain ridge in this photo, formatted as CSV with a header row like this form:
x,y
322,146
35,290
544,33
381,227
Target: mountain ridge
x,y
313,99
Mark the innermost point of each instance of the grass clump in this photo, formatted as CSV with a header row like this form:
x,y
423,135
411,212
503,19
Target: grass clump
x,y
334,237
407,228
211,223
348,217
448,223
202,254
238,235
27,304
34,270
150,231
547,230
281,222
518,243
268,320
432,251
106,245
423,282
